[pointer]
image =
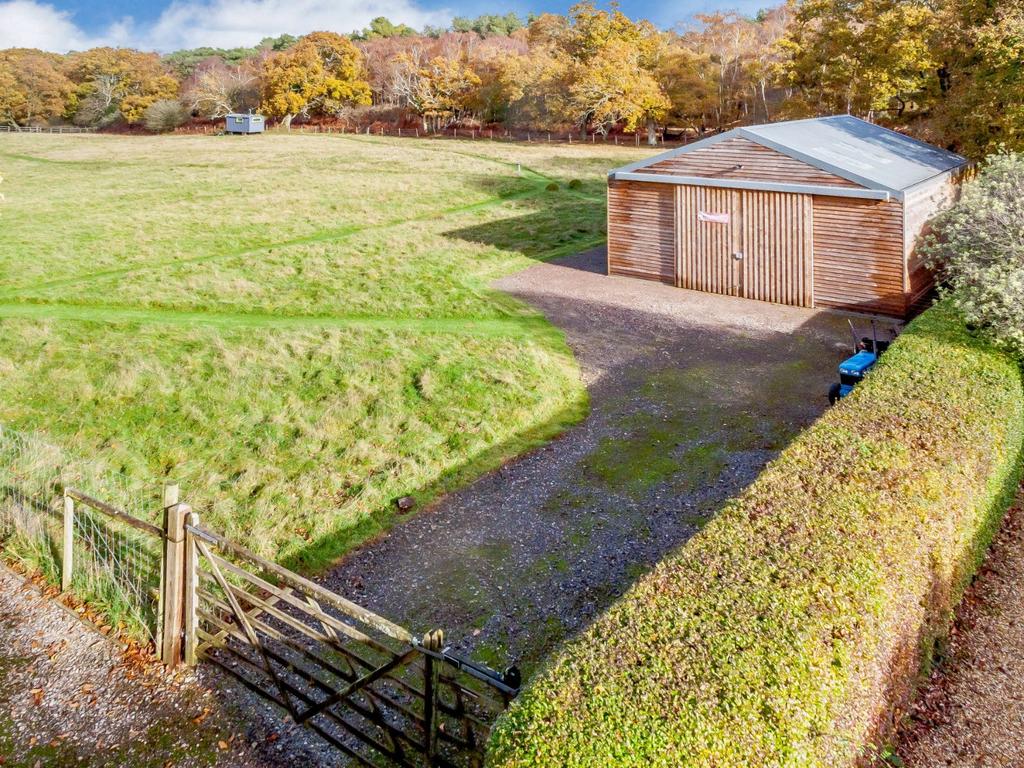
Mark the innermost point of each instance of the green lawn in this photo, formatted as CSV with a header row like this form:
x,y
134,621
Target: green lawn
x,y
297,329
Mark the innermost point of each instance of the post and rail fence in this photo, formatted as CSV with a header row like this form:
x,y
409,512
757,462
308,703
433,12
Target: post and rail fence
x,y
45,129
364,684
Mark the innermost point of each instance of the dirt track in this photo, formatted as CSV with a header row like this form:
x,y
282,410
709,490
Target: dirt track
x,y
971,712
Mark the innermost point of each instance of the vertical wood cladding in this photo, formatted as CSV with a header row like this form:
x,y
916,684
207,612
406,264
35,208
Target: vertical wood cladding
x,y
763,251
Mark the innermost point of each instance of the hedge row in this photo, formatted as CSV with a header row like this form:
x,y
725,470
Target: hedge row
x,y
791,628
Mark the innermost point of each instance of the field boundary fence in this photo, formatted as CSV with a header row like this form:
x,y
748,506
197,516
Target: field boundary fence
x,y
45,129
482,134
475,134
365,685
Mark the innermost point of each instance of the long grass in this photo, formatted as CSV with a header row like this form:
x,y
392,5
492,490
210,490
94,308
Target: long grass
x,y
297,329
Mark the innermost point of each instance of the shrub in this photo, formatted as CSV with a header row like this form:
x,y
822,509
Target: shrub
x,y
552,186
165,115
788,630
978,249
575,184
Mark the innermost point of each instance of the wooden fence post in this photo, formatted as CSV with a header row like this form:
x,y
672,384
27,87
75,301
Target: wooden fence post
x,y
173,590
191,580
68,554
433,641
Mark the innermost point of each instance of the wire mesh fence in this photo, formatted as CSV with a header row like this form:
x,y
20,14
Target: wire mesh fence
x,y
113,564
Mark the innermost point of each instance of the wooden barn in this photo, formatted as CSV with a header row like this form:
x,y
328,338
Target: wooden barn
x,y
813,213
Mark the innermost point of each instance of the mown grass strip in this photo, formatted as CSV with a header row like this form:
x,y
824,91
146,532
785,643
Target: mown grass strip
x,y
790,629
108,313
332,234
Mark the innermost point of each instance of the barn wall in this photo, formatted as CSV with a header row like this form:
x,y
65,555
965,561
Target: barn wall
x,y
641,230
922,204
859,255
756,163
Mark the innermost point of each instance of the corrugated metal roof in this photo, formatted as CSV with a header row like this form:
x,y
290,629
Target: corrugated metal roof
x,y
849,146
862,152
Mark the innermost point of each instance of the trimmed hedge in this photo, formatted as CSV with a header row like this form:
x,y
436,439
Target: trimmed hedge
x,y
789,630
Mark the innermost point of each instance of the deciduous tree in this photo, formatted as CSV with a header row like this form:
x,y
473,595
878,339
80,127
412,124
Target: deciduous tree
x,y
981,79
217,88
32,86
861,57
319,75
117,82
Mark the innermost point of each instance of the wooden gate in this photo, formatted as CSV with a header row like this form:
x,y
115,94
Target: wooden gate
x,y
757,245
362,683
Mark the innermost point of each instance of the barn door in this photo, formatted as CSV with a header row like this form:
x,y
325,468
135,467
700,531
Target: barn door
x,y
745,243
777,249
709,239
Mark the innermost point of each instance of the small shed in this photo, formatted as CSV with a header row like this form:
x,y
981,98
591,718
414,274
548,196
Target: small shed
x,y
815,213
236,122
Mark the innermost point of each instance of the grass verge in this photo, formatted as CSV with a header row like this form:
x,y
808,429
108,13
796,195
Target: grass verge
x,y
789,629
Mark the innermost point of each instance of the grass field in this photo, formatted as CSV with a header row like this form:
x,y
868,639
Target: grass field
x,y
297,329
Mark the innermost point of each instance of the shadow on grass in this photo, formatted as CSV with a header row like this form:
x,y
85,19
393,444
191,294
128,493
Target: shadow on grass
x,y
555,222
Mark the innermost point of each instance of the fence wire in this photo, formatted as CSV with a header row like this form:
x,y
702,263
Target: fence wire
x,y
116,568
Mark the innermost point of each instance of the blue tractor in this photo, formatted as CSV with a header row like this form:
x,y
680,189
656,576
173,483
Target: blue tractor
x,y
866,351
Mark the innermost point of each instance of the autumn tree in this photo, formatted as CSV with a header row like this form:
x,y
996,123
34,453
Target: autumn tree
x,y
441,89
117,82
592,69
447,87
689,80
981,78
861,57
531,85
319,75
33,87
217,88
609,62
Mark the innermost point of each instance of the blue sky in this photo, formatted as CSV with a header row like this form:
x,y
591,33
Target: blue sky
x,y
62,25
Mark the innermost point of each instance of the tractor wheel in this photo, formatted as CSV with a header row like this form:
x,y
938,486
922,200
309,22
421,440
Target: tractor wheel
x,y
833,394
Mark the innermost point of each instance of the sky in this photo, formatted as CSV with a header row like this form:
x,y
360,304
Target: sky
x,y
167,25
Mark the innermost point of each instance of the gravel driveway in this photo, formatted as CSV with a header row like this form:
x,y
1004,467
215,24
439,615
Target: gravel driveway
x,y
691,395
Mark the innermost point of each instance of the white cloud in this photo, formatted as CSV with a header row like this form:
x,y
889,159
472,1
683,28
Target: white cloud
x,y
194,23
28,24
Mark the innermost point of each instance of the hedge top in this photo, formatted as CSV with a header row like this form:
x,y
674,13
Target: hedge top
x,y
780,634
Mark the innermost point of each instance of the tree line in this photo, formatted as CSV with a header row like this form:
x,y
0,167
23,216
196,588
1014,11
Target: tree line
x,y
946,70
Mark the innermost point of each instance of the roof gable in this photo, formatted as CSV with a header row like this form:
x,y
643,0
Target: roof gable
x,y
738,157
843,146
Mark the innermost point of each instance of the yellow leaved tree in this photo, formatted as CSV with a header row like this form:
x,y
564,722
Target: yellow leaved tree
x,y
319,75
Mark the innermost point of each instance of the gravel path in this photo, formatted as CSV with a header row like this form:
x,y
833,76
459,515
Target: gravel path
x,y
691,394
70,696
971,713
